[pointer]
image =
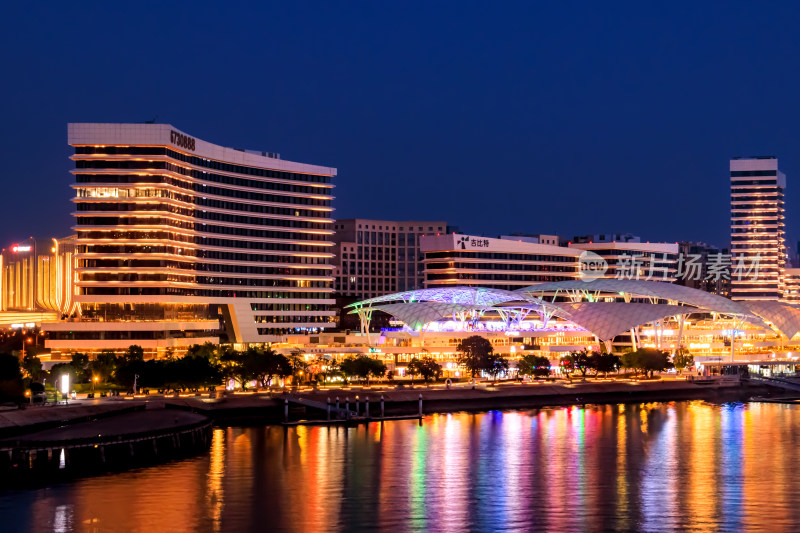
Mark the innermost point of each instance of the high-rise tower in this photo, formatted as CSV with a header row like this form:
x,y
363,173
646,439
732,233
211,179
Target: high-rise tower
x,y
180,241
758,228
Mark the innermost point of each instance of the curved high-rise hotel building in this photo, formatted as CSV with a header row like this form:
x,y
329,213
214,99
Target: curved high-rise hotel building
x,y
180,241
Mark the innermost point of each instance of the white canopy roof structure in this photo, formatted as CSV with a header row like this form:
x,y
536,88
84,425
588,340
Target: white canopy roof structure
x,y
418,308
605,319
785,318
417,315
646,288
609,319
476,296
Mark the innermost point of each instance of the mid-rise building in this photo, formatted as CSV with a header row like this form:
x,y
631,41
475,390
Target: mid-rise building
x,y
377,257
758,228
38,275
606,237
539,238
791,286
453,259
180,241
513,262
633,259
697,268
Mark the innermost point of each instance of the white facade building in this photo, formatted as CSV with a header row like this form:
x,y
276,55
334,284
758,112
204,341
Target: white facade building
x,y
514,262
469,260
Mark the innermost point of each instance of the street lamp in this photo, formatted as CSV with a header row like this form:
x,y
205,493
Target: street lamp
x,y
94,382
24,340
65,386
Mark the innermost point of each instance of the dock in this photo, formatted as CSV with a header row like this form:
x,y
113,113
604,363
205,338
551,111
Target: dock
x,y
351,422
339,413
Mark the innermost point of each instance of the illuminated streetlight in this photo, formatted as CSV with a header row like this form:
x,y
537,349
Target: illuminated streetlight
x,y
65,386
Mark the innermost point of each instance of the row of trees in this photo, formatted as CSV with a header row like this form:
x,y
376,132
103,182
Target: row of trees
x,y
477,355
644,360
203,366
585,361
207,365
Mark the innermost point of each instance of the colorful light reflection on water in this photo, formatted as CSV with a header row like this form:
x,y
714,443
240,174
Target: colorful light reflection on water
x,y
650,467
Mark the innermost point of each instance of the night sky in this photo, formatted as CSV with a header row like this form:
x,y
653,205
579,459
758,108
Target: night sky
x,y
572,118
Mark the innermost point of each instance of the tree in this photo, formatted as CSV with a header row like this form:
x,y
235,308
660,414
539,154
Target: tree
x,y
567,364
207,351
191,372
495,364
273,364
581,361
682,359
604,362
254,364
80,363
349,367
32,366
239,366
427,367
103,366
533,365
324,368
130,365
299,365
362,367
646,360
633,360
474,353
11,387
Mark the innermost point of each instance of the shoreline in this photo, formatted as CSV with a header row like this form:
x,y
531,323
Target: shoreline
x,y
87,437
127,439
269,408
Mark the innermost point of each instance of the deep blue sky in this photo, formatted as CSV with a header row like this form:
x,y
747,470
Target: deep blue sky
x,y
570,118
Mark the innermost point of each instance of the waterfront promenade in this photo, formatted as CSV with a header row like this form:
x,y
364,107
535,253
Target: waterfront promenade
x,y
90,435
268,406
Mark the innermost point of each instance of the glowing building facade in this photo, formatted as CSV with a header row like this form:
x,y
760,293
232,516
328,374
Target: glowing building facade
x,y
758,227
454,259
38,275
791,286
180,241
514,262
551,319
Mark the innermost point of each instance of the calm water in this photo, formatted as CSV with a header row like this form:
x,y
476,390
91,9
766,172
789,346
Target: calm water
x,y
651,467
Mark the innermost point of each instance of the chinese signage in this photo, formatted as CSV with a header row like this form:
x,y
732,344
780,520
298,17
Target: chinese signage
x,y
465,242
